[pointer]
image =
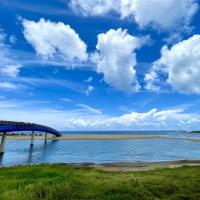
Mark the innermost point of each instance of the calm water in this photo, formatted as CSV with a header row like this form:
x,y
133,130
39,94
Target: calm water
x,y
103,151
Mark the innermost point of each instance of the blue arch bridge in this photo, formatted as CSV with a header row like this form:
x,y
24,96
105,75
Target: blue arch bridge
x,y
10,126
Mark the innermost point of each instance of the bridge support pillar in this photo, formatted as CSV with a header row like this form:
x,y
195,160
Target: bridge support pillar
x,y
2,145
32,138
54,137
45,138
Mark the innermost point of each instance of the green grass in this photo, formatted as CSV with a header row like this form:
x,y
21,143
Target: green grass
x,y
59,182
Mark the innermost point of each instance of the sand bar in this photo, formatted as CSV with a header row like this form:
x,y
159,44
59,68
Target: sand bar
x,y
98,137
84,137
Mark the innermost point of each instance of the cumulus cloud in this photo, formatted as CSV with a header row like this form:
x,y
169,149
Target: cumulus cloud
x,y
116,60
152,81
161,14
89,118
164,14
93,7
151,120
38,111
54,40
181,64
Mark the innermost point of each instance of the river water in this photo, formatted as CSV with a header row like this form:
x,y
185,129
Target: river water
x,y
175,146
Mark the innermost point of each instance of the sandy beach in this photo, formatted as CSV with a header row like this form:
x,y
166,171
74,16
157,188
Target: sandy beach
x,y
83,137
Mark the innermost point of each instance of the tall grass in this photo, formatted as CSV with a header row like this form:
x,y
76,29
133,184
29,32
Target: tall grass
x,y
60,182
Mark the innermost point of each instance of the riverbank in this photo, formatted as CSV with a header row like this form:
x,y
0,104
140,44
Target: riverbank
x,y
88,182
145,166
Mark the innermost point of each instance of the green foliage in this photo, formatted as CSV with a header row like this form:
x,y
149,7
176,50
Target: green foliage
x,y
60,182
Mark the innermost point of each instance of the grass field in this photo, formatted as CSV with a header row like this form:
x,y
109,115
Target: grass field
x,y
59,182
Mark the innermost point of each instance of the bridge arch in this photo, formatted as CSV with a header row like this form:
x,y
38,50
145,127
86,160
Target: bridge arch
x,y
11,126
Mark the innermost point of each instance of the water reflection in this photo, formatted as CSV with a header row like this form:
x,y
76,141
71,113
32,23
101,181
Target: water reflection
x,y
30,154
1,159
40,152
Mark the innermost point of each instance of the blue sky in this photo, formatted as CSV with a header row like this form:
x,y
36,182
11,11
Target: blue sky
x,y
101,65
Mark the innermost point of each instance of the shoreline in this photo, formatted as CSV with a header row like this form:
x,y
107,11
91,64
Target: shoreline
x,y
121,166
84,137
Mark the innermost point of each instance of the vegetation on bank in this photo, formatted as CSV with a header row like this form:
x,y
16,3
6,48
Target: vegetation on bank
x,y
59,182
194,132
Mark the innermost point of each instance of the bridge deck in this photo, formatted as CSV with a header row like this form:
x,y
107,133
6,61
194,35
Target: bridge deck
x,y
10,126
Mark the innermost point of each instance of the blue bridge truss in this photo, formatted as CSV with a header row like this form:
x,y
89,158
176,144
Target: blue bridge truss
x,y
10,126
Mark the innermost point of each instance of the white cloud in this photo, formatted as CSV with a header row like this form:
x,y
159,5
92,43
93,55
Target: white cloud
x,y
7,85
8,65
90,79
44,112
181,64
151,120
5,105
152,79
12,39
89,90
89,109
159,13
115,58
54,40
164,14
89,118
11,70
38,82
66,100
93,7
